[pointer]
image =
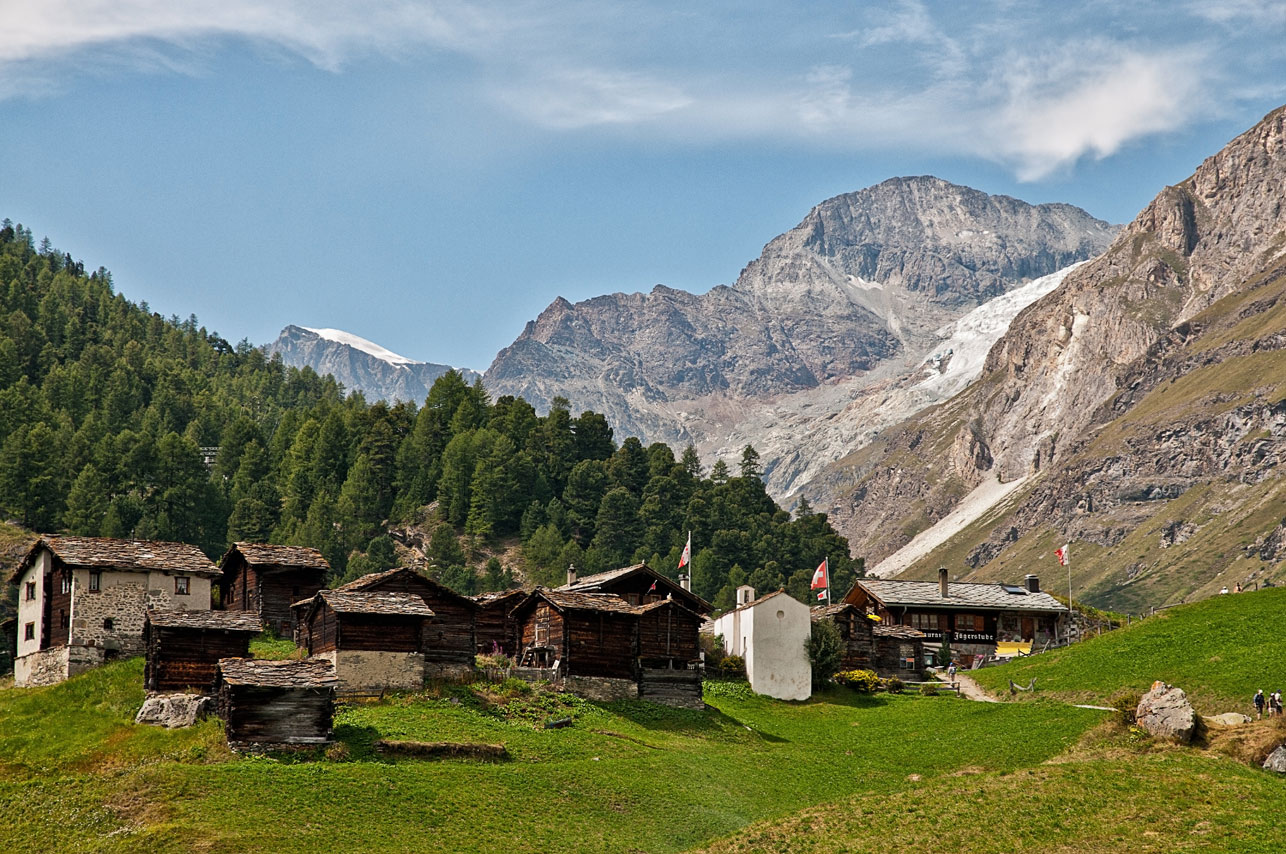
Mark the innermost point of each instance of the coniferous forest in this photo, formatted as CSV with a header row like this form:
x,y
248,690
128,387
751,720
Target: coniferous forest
x,y
118,422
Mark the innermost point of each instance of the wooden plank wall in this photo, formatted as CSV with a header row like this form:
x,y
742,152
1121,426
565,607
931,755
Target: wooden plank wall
x,y
188,658
322,634
668,635
384,633
278,590
600,644
449,635
492,626
276,715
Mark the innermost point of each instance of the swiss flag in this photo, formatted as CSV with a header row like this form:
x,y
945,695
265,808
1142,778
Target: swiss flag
x,y
1064,555
686,557
821,578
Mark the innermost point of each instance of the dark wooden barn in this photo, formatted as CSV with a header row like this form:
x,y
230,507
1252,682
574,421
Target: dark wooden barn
x,y
856,630
349,620
639,584
267,580
668,635
494,628
183,648
587,634
899,650
449,643
276,703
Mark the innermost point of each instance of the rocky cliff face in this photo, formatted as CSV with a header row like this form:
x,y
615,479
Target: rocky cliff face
x,y
1142,400
845,305
359,364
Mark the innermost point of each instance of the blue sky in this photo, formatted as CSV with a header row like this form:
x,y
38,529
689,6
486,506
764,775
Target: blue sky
x,y
431,175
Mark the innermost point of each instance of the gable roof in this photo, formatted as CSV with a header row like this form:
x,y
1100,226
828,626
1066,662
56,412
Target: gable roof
x,y
384,604
374,579
666,603
903,632
820,612
224,621
490,600
128,555
989,597
309,673
265,555
597,582
565,600
763,599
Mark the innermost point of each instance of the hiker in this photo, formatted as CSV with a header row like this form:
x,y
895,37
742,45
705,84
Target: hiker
x,y
1225,589
1236,587
1259,704
1275,704
951,671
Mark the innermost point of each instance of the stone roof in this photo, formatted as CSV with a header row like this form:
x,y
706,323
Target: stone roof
x,y
263,555
905,632
309,673
662,603
224,621
374,579
569,601
593,583
992,597
386,604
819,612
128,555
498,596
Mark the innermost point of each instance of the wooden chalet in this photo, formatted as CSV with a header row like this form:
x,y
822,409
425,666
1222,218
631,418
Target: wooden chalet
x,y
183,648
668,635
856,631
583,634
639,584
83,600
494,629
276,703
449,641
375,640
971,618
267,580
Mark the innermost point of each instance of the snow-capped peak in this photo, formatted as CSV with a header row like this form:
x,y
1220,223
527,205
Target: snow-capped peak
x,y
339,336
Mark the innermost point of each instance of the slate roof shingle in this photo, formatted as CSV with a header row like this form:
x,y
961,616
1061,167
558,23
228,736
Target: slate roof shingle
x,y
992,597
263,554
224,621
385,604
309,673
106,553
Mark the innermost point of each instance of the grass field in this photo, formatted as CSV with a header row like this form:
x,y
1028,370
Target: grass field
x,y
77,775
1218,651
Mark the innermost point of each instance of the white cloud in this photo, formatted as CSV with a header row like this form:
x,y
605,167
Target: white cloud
x,y
586,97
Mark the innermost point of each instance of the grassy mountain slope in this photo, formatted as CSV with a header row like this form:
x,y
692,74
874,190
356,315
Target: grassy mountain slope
x,y
1218,651
75,774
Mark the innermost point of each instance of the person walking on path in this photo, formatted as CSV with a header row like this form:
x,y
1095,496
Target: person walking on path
x,y
1275,704
951,671
1259,704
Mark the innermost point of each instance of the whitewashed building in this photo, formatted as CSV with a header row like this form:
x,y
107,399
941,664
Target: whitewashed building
x,y
84,600
770,634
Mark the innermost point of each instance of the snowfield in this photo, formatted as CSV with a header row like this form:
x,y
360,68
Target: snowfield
x,y
339,336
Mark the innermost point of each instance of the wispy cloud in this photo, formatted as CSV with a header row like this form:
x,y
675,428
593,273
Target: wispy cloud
x,y
1006,80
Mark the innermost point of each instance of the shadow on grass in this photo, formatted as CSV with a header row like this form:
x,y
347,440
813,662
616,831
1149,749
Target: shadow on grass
x,y
360,741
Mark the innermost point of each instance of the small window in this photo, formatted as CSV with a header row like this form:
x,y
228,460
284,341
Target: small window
x,y
66,584
108,623
181,585
29,631
31,591
95,582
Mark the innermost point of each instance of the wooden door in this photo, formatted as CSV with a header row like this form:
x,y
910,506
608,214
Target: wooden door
x,y
1029,629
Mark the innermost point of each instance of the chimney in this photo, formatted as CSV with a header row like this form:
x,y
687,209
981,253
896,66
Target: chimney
x,y
685,581
942,582
745,595
571,573
1032,583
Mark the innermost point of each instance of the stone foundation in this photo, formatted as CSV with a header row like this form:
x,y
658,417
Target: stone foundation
x,y
600,688
374,672
449,671
51,666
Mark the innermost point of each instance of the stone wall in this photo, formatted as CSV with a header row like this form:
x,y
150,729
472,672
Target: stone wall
x,y
374,672
124,598
601,688
449,671
51,666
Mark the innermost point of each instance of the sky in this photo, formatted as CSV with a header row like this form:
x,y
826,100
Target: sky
x,y
431,175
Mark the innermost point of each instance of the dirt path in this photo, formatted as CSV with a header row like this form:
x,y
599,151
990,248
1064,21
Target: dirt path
x,y
970,689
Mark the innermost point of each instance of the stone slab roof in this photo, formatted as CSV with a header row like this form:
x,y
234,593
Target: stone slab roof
x,y
373,579
569,601
990,597
265,555
387,604
128,555
819,612
904,632
593,583
309,673
224,621
490,600
666,603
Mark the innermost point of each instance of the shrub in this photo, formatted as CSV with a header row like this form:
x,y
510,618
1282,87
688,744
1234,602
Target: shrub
x,y
861,681
733,665
928,689
825,648
1126,703
893,685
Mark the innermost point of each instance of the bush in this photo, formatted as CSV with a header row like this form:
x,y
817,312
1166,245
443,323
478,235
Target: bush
x,y
861,681
928,689
1126,703
893,685
734,666
825,648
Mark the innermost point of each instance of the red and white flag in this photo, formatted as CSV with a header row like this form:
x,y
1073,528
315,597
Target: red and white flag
x,y
821,596
1064,555
821,578
686,557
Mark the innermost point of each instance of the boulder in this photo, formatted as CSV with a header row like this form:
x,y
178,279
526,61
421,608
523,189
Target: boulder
x,y
1165,712
1276,760
1228,719
173,710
